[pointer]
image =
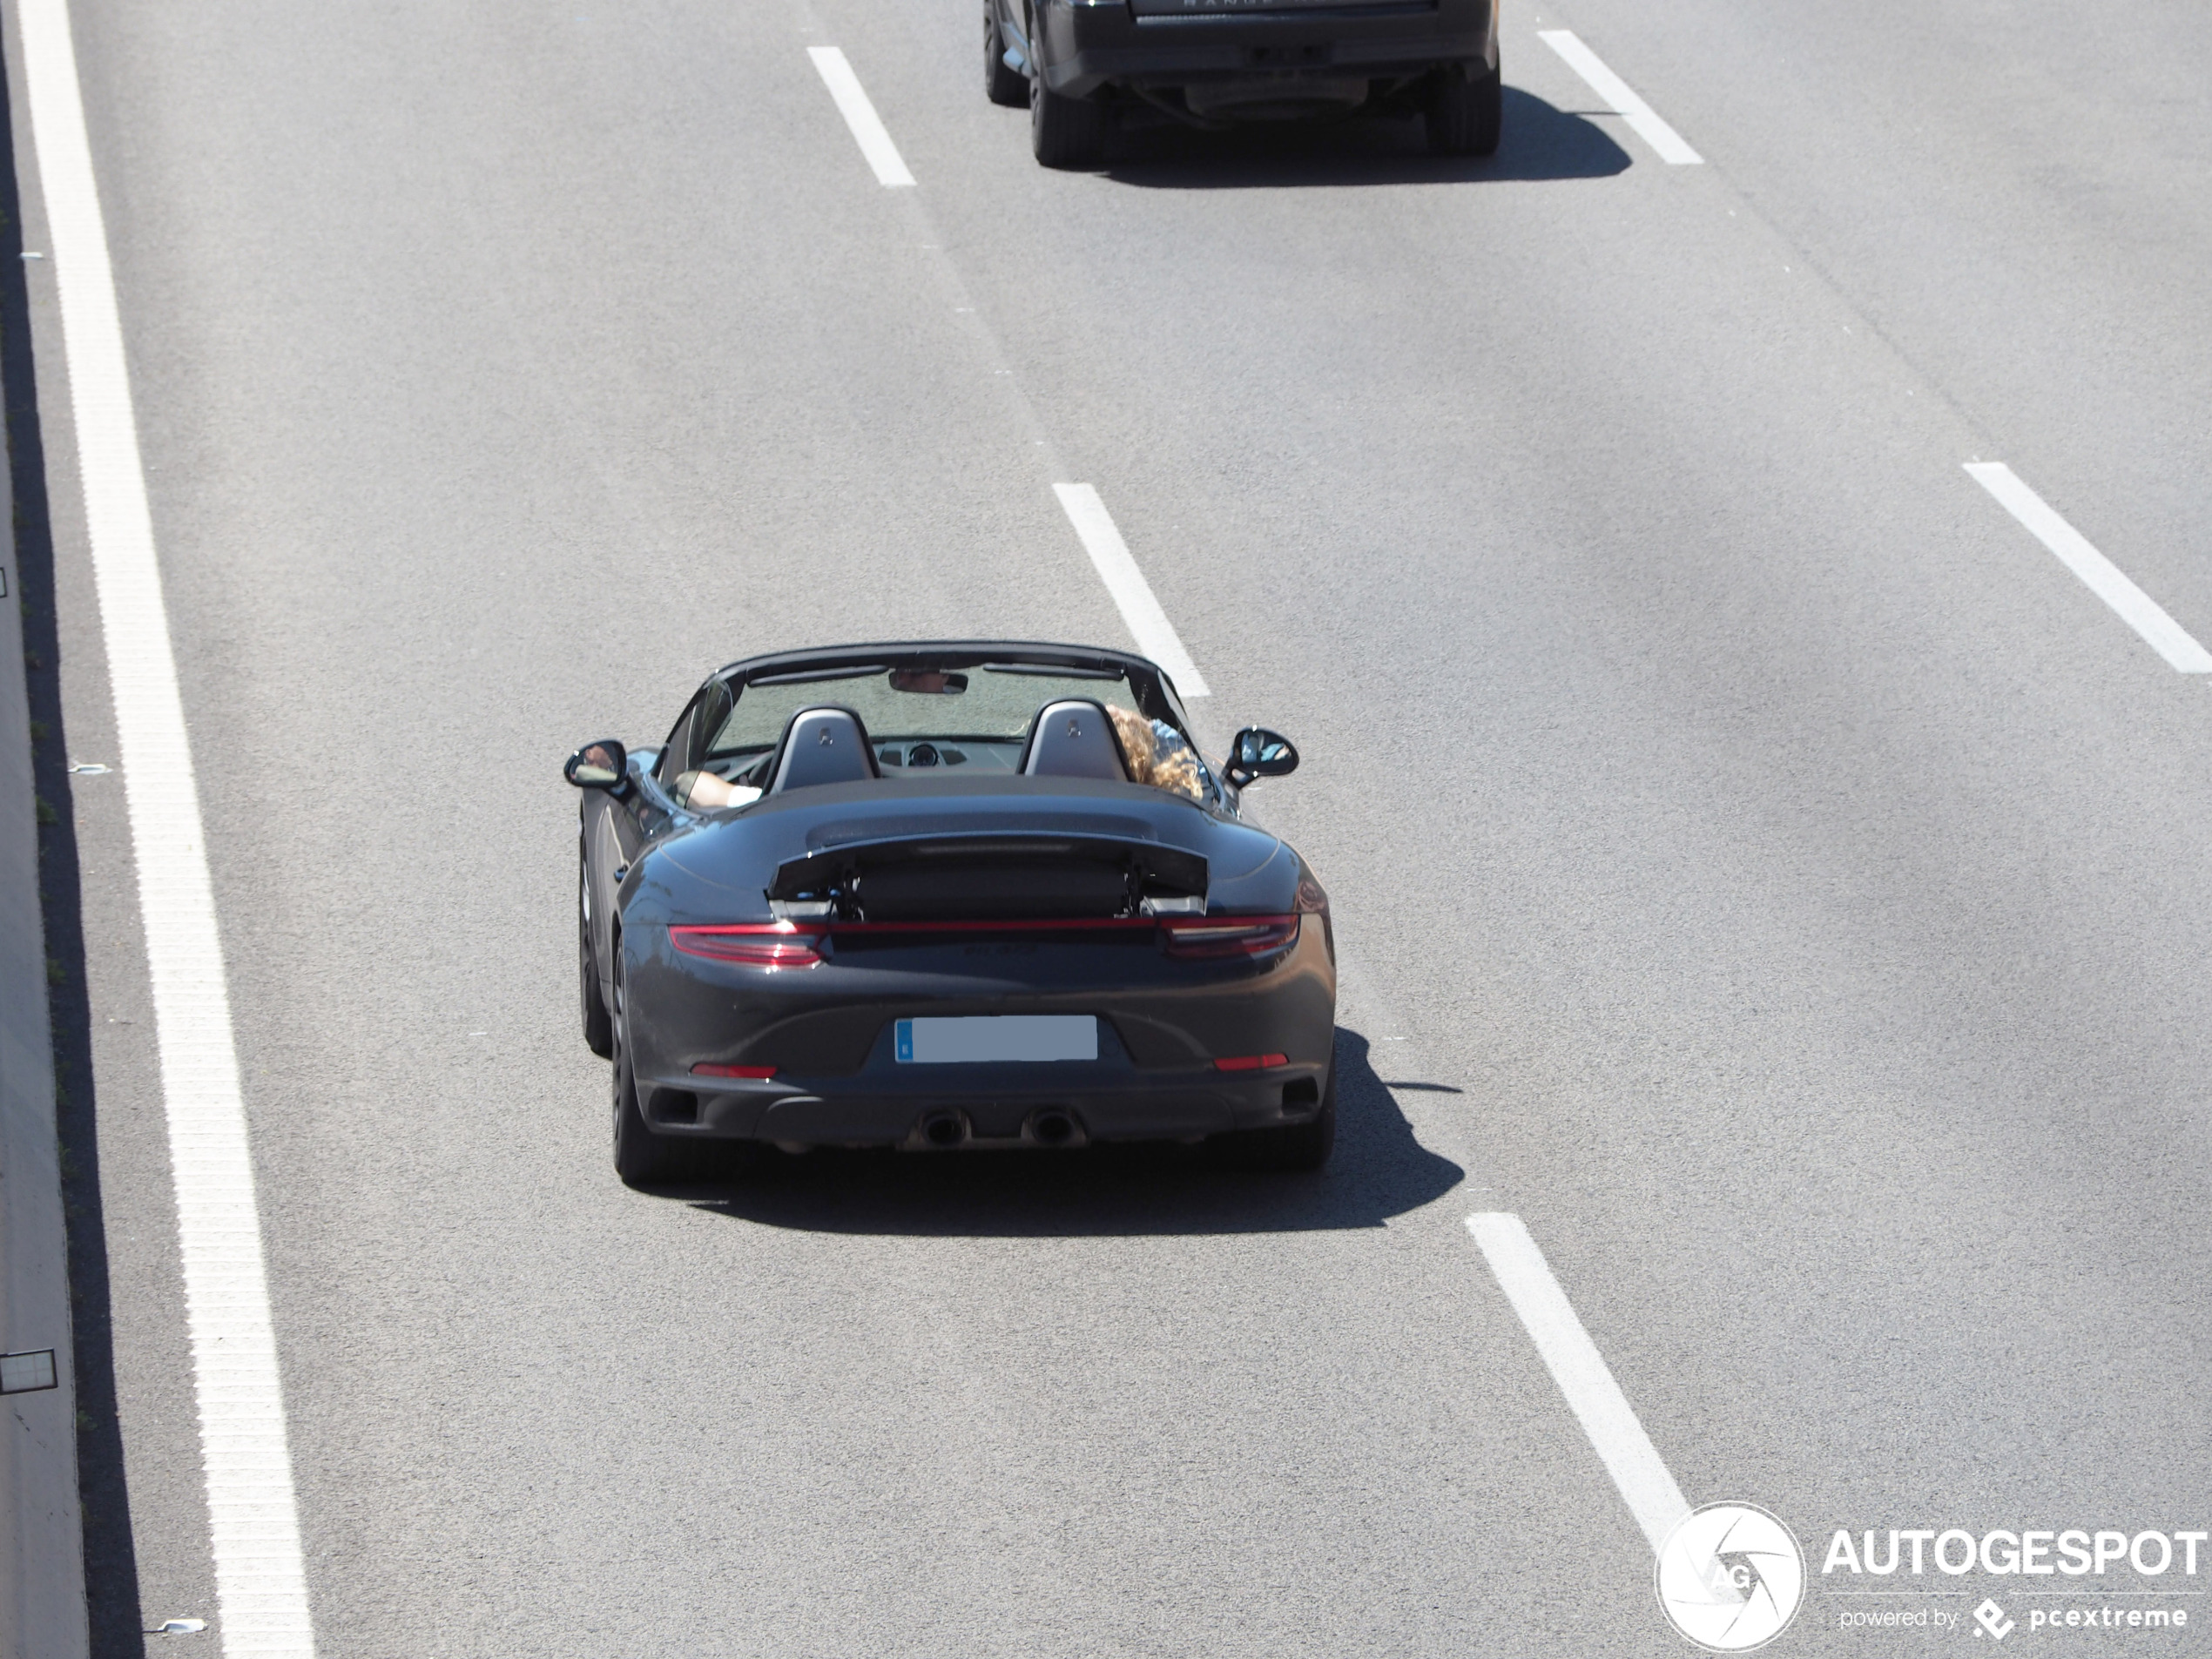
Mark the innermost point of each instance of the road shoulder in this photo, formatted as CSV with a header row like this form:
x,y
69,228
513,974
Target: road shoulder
x,y
42,1564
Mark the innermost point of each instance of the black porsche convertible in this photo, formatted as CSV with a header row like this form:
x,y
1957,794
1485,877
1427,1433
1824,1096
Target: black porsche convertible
x,y
944,895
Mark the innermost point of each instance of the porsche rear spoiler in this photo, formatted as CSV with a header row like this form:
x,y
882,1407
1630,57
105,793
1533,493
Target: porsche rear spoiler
x,y
990,878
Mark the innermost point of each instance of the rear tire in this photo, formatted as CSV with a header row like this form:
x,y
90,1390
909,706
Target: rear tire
x,y
1067,133
642,1158
638,1157
598,1025
1465,117
1009,88
1294,1148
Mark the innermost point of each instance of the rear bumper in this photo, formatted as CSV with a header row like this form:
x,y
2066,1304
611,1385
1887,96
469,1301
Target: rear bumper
x,y
984,1112
828,1031
1087,47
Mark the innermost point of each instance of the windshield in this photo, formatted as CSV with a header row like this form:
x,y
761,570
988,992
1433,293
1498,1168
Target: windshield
x,y
982,704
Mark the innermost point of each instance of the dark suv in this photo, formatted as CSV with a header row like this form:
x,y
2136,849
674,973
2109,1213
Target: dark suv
x,y
1080,64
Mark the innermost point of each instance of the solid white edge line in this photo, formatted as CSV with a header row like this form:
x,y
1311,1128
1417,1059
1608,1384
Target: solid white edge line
x,y
1581,1373
253,1517
1148,624
868,131
2099,573
1672,148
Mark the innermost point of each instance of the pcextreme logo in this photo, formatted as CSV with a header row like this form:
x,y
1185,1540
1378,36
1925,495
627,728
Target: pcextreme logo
x,y
1731,1576
1997,1624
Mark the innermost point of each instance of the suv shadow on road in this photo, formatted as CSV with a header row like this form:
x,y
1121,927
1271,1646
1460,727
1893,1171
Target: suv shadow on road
x,y
1380,1170
1540,142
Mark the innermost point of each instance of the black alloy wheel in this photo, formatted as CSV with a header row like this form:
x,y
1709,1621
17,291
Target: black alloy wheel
x,y
1465,116
1009,88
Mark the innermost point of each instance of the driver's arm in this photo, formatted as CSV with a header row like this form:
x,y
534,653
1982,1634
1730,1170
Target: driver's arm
x,y
704,792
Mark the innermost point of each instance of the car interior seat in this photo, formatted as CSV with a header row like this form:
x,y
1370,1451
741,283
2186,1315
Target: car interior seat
x,y
825,745
1074,739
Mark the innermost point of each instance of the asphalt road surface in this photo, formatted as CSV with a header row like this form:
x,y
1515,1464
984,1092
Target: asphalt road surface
x,y
1764,867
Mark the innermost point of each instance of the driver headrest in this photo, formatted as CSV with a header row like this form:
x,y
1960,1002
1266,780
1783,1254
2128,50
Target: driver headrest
x,y
1074,739
825,745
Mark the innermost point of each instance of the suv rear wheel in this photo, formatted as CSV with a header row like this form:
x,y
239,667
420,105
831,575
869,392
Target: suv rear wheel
x,y
1065,133
1004,86
1465,116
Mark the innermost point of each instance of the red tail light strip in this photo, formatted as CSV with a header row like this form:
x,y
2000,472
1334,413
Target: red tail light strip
x,y
760,944
785,944
1252,1062
707,1068
1085,924
1205,937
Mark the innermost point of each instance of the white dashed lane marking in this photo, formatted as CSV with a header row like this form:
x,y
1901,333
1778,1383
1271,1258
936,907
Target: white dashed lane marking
x,y
868,131
253,1528
1154,635
2099,573
1148,623
1621,97
1581,1373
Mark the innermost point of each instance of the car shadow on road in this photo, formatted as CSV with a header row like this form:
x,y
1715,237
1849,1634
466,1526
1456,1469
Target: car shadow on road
x,y
1540,142
1380,1170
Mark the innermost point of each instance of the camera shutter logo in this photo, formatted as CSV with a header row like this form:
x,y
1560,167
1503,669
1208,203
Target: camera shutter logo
x,y
1730,1577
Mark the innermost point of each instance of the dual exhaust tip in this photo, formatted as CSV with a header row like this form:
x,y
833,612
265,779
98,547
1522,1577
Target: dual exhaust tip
x,y
1052,1127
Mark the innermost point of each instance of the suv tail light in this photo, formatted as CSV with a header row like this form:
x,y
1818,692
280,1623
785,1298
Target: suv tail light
x,y
1252,1062
759,944
1213,937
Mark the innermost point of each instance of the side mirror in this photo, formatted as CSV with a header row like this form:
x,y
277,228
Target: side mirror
x,y
604,765
1258,752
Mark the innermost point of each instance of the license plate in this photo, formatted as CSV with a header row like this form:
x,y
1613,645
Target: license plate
x,y
997,1037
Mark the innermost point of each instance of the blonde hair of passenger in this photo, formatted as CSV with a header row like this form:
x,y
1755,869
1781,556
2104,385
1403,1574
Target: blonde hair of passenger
x,y
1177,773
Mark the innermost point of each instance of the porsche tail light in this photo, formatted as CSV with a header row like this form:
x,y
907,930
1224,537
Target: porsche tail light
x,y
757,944
1248,1062
708,1068
1216,937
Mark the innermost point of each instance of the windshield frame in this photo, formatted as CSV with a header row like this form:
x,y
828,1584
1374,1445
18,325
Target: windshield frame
x,y
1150,688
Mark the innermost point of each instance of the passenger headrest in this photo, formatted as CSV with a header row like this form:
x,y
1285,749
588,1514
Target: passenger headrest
x,y
1074,739
826,745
